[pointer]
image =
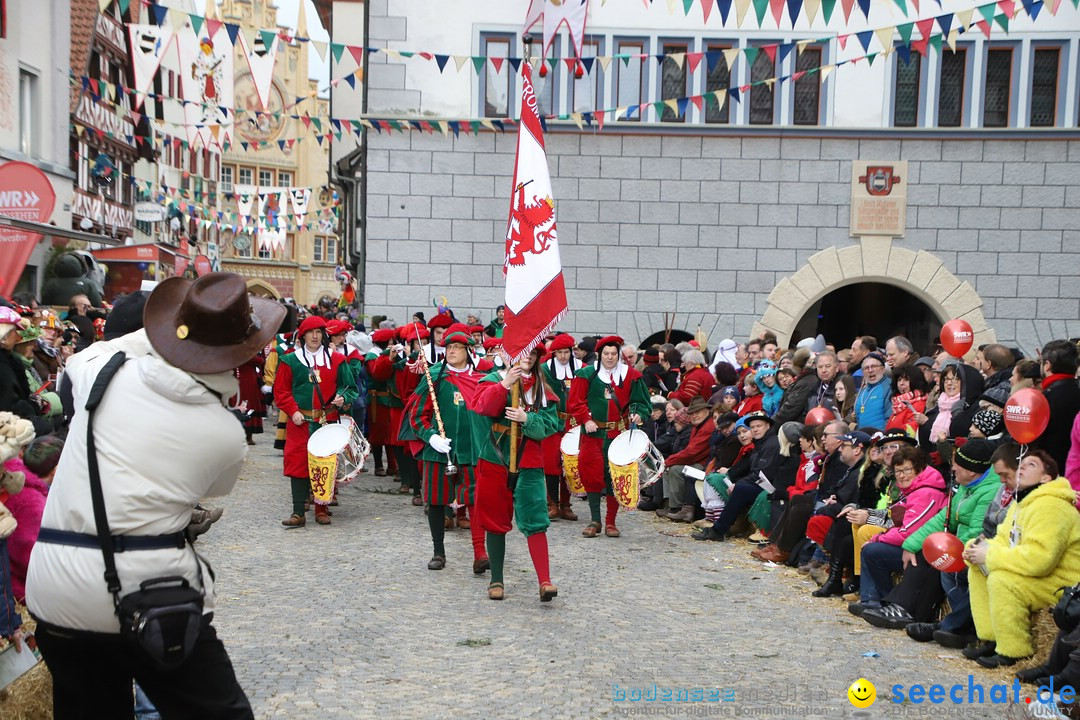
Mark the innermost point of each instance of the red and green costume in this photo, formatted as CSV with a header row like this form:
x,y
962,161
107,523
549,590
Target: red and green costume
x,y
498,503
608,399
454,391
559,379
308,382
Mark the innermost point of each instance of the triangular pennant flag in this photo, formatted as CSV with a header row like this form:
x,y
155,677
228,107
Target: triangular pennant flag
x,y
1008,7
196,22
760,8
884,36
1003,21
734,93
985,27
679,58
952,38
515,63
725,9
935,43
963,19
905,32
730,55
336,50
741,7
441,61
842,39
706,8
687,4
357,53
794,7
827,9
925,27
697,101
847,5
497,63
826,71
460,61
770,51
945,22
777,8
785,50
812,7
693,60
864,5
212,26
902,4
233,30
478,63
751,55
320,47
605,62
160,13
987,12
1032,7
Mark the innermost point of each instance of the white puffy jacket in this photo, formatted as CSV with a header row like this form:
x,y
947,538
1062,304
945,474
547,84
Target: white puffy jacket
x,y
164,442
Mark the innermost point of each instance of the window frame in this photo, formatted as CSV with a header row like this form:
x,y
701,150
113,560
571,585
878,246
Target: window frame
x,y
965,86
678,45
251,177
597,77
1013,48
716,46
1061,89
822,51
920,88
748,96
511,39
29,111
331,250
317,249
642,45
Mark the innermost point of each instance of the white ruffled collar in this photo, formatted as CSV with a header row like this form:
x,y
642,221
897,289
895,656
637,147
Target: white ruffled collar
x,y
562,371
618,374
321,358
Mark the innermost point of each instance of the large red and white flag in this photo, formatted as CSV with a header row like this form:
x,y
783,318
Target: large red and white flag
x,y
535,292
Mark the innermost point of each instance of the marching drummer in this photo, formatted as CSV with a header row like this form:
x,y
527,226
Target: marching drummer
x,y
604,399
311,387
444,421
559,375
502,497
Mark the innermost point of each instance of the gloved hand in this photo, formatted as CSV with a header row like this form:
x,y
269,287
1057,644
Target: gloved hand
x,y
439,444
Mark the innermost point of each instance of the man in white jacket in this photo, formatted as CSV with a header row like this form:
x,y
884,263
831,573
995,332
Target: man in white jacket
x,y
164,439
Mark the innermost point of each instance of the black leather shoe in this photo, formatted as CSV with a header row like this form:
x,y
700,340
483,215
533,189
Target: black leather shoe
x,y
857,608
980,649
996,661
708,534
1032,675
921,632
436,563
957,641
647,506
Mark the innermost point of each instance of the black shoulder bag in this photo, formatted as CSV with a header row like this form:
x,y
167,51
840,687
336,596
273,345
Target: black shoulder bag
x,y
1067,611
163,617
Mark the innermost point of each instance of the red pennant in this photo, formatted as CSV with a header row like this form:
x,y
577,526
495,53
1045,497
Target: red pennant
x,y
985,27
212,26
919,46
1008,7
925,27
599,117
357,53
916,4
777,7
797,76
770,51
306,120
693,60
696,99
848,4
497,63
843,41
426,55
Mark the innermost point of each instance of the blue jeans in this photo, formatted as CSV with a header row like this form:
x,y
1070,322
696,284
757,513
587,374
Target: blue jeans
x,y
879,561
959,619
144,709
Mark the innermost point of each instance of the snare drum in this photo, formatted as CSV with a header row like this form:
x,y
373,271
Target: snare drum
x,y
635,463
569,447
336,453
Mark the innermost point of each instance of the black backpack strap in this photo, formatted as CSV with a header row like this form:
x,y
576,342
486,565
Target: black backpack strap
x,y
101,521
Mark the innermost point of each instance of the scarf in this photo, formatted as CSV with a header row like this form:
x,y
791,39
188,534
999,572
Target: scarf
x,y
1051,379
940,429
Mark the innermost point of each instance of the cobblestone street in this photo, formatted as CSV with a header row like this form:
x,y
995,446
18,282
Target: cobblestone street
x,y
346,621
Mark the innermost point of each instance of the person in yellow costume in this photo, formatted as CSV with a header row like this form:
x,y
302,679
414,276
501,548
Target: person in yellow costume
x,y
1035,552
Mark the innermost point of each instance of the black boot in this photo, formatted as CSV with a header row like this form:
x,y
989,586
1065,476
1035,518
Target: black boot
x,y
834,584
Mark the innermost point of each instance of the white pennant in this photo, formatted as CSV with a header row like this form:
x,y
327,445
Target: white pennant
x,y
148,45
261,59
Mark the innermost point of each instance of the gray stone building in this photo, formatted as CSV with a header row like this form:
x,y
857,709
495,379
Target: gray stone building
x,y
735,228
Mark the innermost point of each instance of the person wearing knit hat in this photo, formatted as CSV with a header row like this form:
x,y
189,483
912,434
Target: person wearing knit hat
x,y
503,497
605,399
995,398
987,424
585,350
559,371
451,440
312,385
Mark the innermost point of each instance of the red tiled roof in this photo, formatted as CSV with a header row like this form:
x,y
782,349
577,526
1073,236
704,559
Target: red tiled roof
x,y
83,20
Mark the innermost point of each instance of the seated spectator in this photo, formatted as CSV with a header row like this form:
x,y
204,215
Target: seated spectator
x,y
792,522
752,399
724,444
695,380
785,377
1035,551
909,399
726,398
922,495
844,396
987,424
998,362
771,392
674,434
679,489
716,483
656,424
1025,374
725,375
1059,365
873,404
38,465
977,483
793,405
15,394
657,379
764,461
960,386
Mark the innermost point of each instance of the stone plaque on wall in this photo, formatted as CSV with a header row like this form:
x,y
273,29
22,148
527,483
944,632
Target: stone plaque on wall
x,y
878,197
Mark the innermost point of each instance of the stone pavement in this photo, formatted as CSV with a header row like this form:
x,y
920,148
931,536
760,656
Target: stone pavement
x,y
346,621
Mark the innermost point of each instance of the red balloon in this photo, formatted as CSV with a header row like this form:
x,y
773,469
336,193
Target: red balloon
x,y
957,337
1026,415
820,416
944,552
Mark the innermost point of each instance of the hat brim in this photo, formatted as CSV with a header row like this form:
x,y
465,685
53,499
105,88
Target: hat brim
x,y
160,321
763,418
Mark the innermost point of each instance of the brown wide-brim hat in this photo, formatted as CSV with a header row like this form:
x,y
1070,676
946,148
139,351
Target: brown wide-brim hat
x,y
209,325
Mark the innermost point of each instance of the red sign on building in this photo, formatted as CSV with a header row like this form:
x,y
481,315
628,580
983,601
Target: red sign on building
x,y
25,194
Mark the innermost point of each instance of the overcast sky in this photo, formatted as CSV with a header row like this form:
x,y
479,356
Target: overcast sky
x,y
288,11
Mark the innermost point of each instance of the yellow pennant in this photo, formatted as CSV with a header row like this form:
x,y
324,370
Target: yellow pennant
x,y
679,58
953,35
964,18
812,7
884,36
730,56
741,6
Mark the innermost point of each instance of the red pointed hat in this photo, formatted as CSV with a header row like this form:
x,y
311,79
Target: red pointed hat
x,y
413,331
311,322
609,340
383,336
442,320
457,333
562,341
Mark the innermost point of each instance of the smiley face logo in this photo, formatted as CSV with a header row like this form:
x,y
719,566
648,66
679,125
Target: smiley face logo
x,y
862,693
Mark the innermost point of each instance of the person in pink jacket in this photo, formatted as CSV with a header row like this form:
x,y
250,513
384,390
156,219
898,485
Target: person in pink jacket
x,y
1072,460
37,464
922,495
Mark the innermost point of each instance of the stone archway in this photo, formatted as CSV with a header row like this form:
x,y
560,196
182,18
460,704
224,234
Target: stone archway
x,y
873,259
262,289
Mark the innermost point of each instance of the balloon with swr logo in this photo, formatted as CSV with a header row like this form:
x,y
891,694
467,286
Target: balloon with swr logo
x,y
957,337
1026,415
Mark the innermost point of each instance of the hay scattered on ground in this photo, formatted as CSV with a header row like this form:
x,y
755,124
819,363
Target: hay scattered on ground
x,y
29,697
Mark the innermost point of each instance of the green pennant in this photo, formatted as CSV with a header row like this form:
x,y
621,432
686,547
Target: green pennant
x,y
827,7
870,59
625,59
337,49
760,8
905,32
987,11
552,62
751,55
124,6
478,63
475,125
935,42
406,53
659,106
1003,21
711,100
317,123
686,5
196,22
902,4
269,37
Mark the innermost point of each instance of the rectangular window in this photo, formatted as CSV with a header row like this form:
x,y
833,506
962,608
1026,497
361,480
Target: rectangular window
x,y
808,87
264,251
331,250
586,89
245,176
284,178
266,178
497,85
761,96
906,92
996,92
718,78
672,79
547,88
1044,87
28,113
227,174
628,76
317,249
951,88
